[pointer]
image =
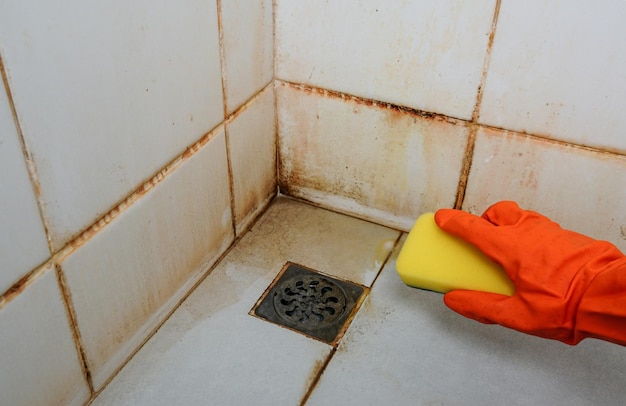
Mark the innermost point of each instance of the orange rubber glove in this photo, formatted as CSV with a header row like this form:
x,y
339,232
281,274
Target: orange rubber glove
x,y
568,286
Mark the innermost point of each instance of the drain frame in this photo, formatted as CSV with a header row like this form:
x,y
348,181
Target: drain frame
x,y
310,302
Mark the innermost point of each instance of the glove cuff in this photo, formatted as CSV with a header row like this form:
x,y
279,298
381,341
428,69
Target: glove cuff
x,y
602,308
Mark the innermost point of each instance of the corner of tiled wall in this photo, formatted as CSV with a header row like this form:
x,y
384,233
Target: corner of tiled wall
x,y
387,110
137,141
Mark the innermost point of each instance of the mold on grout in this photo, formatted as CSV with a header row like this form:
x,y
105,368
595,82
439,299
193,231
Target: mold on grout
x,y
469,150
486,61
370,102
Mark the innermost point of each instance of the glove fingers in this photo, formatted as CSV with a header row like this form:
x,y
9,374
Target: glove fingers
x,y
503,213
480,306
476,231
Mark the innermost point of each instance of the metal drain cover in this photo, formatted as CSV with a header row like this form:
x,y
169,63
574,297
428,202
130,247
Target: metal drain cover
x,y
309,302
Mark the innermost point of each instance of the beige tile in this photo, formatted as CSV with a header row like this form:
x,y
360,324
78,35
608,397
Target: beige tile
x,y
550,76
40,364
107,94
580,189
423,54
405,347
23,243
252,148
371,161
211,351
130,274
248,40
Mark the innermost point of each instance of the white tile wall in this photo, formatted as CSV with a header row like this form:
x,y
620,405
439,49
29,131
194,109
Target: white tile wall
x,y
558,68
371,161
252,146
580,189
40,364
423,54
107,93
129,275
248,42
22,238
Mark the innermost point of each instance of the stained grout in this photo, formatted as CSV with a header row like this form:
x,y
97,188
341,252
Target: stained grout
x,y
229,164
365,297
89,232
28,159
71,314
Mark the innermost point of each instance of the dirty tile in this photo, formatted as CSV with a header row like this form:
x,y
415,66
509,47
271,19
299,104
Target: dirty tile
x,y
405,347
107,94
23,243
131,273
248,46
369,160
580,189
548,76
40,364
252,148
422,54
211,351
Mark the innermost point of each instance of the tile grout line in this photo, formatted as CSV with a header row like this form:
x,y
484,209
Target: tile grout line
x,y
277,164
229,164
201,279
71,315
100,223
370,102
318,376
28,158
442,117
468,155
335,347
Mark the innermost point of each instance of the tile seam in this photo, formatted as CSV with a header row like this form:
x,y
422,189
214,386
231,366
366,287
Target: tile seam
x,y
104,220
28,158
468,156
231,182
72,318
89,232
440,116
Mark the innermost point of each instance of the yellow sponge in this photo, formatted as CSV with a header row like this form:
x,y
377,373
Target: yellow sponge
x,y
435,260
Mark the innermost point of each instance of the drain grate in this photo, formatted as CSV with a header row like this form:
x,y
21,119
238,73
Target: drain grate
x,y
310,302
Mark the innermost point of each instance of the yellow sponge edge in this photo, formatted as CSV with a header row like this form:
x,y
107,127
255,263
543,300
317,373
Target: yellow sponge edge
x,y
435,260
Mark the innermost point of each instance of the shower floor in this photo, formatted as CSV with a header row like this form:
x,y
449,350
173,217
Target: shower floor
x,y
403,347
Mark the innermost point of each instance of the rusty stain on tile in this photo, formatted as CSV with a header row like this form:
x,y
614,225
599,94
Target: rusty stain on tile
x,y
315,375
394,108
71,313
28,158
391,159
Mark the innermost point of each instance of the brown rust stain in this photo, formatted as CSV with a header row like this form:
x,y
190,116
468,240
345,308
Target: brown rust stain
x,y
314,376
393,108
142,190
71,315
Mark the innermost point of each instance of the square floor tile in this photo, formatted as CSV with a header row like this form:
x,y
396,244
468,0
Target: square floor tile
x,y
212,351
405,347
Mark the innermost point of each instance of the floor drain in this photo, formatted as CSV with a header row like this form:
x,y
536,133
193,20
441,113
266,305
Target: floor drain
x,y
309,302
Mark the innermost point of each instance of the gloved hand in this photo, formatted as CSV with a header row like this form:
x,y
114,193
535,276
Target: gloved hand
x,y
568,286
